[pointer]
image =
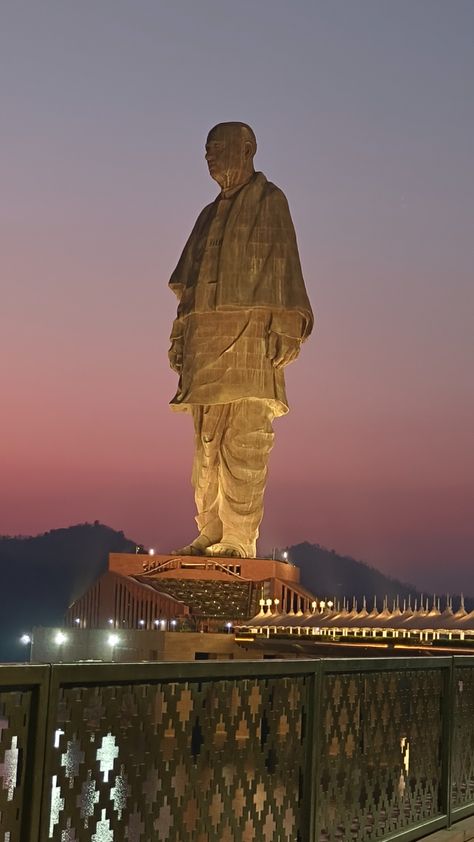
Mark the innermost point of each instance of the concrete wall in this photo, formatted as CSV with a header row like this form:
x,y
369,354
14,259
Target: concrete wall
x,y
133,645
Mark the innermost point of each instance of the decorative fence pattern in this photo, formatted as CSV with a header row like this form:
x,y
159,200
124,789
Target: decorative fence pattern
x,y
278,751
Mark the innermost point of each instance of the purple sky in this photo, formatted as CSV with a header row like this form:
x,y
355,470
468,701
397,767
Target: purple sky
x,y
364,114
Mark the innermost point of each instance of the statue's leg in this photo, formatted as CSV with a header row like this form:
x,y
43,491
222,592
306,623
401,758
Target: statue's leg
x,y
246,444
208,426
209,423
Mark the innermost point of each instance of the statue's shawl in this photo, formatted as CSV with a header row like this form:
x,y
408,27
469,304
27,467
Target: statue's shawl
x,y
259,264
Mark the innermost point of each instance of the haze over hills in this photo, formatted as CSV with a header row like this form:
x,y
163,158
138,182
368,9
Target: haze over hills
x,y
40,576
330,575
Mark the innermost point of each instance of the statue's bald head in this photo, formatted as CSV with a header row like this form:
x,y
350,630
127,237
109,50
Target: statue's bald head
x,y
230,149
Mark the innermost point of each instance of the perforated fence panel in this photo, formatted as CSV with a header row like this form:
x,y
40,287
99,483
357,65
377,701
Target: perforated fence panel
x,y
14,719
207,760
462,775
380,763
22,691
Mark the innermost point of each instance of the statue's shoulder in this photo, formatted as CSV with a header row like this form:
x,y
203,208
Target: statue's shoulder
x,y
270,191
272,200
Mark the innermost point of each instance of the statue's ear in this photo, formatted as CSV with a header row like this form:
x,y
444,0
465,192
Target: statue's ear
x,y
248,150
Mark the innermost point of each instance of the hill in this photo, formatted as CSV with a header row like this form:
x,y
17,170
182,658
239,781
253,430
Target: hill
x,y
40,576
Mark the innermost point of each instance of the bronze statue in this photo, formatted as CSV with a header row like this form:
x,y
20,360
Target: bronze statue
x,y
243,313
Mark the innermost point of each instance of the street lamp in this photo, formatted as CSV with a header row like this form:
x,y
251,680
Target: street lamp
x,y
60,639
113,640
25,639
228,626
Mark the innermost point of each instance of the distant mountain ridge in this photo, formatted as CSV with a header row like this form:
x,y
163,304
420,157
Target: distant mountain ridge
x,y
40,576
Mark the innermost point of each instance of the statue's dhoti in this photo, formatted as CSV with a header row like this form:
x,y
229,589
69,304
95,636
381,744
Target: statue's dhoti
x,y
233,442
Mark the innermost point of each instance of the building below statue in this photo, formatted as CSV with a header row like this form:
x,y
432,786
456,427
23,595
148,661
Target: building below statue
x,y
134,610
142,591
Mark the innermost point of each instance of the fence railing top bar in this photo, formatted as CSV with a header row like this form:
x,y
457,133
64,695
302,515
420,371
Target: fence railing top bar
x,y
108,673
463,660
340,665
23,675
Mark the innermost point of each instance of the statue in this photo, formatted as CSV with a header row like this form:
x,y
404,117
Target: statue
x,y
243,313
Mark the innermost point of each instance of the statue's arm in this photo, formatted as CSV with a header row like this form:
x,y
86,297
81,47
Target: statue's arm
x,y
292,318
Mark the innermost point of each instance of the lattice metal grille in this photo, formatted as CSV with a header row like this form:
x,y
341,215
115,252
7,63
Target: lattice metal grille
x,y
462,791
15,709
379,769
206,761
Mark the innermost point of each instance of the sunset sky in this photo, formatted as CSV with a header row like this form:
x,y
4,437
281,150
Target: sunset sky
x,y
364,116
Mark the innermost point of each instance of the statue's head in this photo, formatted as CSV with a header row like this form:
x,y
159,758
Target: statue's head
x,y
230,150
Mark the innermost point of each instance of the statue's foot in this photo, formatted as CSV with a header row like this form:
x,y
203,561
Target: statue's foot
x,y
224,550
197,547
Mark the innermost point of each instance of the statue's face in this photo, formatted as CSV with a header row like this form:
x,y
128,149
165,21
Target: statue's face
x,y
229,157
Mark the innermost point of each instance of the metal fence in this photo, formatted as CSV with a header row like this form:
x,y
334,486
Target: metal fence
x,y
278,751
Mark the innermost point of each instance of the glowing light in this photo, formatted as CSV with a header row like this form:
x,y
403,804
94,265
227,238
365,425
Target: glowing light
x,y
268,602
60,638
113,639
25,639
141,622
151,551
173,622
110,621
77,621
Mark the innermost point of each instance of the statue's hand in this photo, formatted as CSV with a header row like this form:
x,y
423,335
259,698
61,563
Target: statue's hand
x,y
175,355
282,350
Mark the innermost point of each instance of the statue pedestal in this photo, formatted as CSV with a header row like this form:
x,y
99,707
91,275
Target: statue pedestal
x,y
230,588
